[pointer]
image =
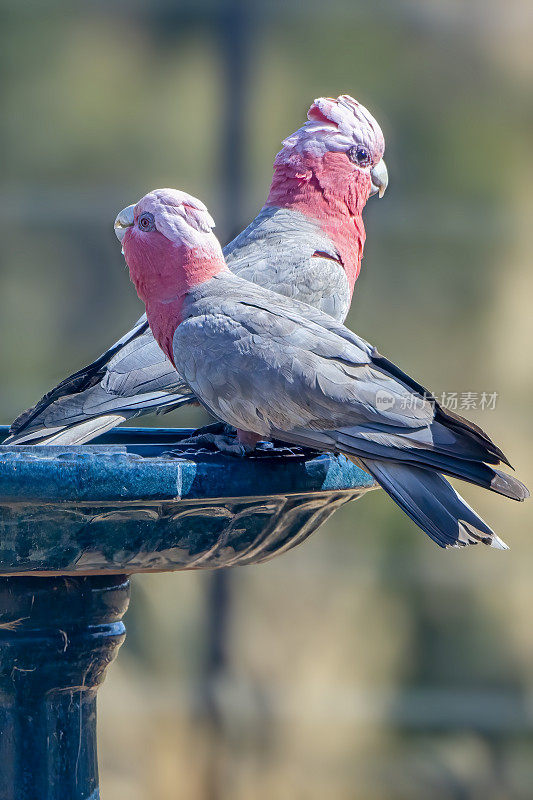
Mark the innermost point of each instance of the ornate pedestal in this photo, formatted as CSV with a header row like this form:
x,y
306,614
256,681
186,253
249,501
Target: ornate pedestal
x,y
75,522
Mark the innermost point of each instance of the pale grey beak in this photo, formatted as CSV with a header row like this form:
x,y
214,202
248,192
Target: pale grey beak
x,y
380,178
124,221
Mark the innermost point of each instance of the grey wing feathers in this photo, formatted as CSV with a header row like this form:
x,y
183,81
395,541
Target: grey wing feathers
x,y
287,252
133,377
310,381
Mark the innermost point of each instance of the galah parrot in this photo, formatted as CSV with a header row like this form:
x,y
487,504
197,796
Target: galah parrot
x,y
306,243
274,367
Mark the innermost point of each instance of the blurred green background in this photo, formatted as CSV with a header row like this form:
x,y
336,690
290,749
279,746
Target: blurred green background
x,y
367,664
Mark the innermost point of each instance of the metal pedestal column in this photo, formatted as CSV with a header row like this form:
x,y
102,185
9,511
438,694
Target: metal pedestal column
x,y
57,638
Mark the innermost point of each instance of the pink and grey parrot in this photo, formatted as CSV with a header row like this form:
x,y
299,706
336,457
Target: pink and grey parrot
x,y
306,243
274,367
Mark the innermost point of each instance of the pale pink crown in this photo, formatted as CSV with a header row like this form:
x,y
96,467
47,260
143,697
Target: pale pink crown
x,y
335,125
177,215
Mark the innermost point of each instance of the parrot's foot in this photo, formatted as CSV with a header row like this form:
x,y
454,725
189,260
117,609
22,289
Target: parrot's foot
x,y
210,442
223,438
242,446
226,439
224,443
217,436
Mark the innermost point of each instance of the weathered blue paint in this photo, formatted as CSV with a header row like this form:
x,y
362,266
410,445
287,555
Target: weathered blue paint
x,y
137,501
57,638
150,504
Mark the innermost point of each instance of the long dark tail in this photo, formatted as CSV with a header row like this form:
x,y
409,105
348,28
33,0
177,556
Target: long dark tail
x,y
433,504
79,419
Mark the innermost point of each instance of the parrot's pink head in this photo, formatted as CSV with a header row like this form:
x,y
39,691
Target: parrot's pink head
x,y
328,169
169,247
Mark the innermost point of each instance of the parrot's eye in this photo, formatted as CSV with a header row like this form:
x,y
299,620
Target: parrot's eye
x,y
360,155
146,222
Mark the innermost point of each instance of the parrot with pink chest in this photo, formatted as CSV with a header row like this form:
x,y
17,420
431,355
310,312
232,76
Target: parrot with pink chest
x,y
274,367
306,243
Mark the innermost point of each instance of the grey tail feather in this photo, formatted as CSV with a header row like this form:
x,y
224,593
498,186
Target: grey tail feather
x,y
484,475
433,504
508,486
476,472
487,477
74,434
82,429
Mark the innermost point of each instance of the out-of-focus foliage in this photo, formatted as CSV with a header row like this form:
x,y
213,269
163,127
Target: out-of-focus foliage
x,y
367,664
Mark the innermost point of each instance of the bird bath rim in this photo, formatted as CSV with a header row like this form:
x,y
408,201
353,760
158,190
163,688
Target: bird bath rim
x,y
124,505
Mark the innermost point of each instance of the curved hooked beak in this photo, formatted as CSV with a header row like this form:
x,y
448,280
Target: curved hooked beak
x,y
124,221
380,178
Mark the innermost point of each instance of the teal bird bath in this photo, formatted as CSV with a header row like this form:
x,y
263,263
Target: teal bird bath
x,y
75,523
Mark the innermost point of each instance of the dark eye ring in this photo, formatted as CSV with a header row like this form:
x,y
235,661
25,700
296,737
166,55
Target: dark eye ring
x,y
360,155
146,222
